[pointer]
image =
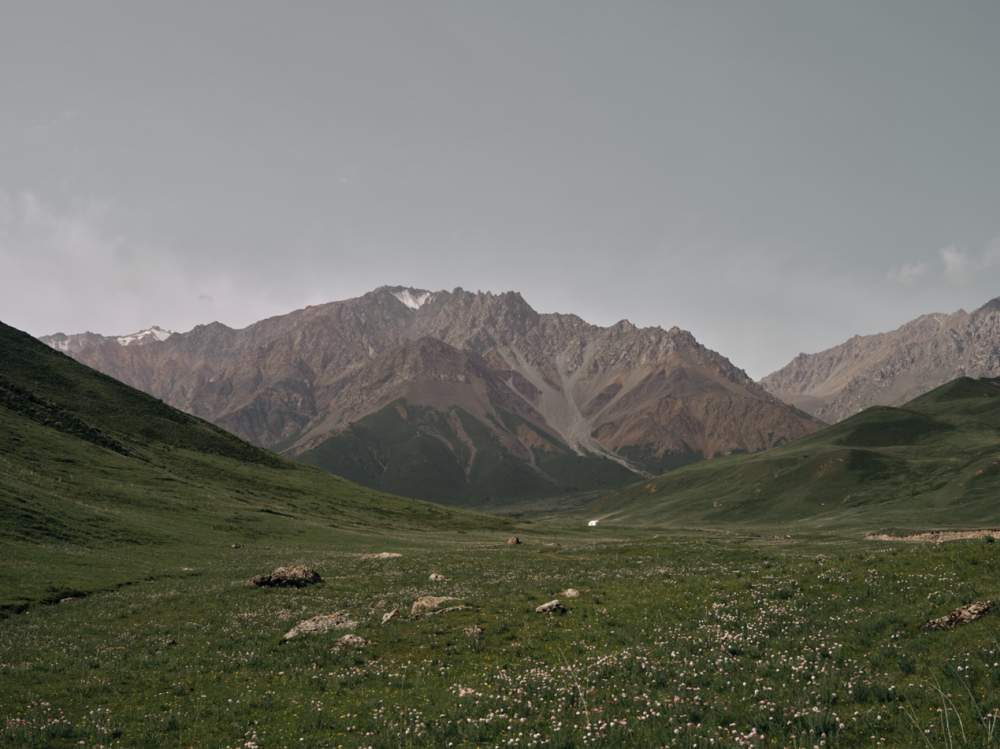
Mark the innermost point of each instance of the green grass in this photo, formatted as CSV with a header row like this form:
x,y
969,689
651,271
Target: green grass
x,y
673,642
932,464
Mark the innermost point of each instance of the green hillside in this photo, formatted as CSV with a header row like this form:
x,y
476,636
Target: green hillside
x,y
102,485
423,455
933,463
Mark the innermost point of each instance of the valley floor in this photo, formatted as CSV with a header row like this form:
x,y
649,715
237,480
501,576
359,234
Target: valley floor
x,y
680,640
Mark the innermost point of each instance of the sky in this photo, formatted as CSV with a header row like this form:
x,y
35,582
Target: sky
x,y
774,177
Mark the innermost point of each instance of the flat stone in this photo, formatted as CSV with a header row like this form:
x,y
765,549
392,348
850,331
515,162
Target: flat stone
x,y
429,603
288,577
320,624
351,642
552,607
962,615
391,615
571,593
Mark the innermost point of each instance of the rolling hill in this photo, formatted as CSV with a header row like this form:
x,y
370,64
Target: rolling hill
x,y
932,463
100,482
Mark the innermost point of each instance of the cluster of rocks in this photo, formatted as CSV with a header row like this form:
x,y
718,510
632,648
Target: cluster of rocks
x,y
425,606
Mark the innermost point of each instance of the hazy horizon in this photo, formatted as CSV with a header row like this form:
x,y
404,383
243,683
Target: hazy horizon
x,y
774,178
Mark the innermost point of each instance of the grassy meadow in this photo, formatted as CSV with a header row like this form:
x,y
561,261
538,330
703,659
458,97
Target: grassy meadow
x,y
683,640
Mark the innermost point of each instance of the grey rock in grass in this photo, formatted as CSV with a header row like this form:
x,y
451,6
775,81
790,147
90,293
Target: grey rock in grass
x,y
320,624
391,615
429,603
962,615
474,631
571,593
436,578
552,607
513,541
435,612
288,577
351,642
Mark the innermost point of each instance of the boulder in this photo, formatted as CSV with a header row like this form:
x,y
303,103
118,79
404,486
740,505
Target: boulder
x,y
288,577
435,612
962,615
436,578
429,603
351,642
391,615
571,593
552,607
513,541
320,624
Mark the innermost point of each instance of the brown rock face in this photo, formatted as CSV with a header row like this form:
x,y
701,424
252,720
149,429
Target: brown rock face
x,y
535,385
892,368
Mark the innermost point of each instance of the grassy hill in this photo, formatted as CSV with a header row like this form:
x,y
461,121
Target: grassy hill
x,y
933,463
102,485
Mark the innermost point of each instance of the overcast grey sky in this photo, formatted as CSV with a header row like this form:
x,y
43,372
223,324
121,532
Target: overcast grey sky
x,y
772,176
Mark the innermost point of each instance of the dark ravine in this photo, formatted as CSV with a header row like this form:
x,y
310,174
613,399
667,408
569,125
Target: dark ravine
x,y
457,396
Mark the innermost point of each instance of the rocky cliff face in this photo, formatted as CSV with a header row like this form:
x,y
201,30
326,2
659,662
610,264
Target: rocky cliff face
x,y
643,399
892,368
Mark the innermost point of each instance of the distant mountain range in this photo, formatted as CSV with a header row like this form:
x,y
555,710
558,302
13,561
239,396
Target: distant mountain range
x,y
889,369
457,397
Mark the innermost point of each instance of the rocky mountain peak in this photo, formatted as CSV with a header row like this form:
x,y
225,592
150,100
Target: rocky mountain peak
x,y
889,369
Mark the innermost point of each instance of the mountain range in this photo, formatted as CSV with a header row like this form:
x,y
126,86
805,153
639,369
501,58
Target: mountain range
x,y
889,369
457,397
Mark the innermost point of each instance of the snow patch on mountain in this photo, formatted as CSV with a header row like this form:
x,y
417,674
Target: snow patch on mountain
x,y
154,333
413,302
59,341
